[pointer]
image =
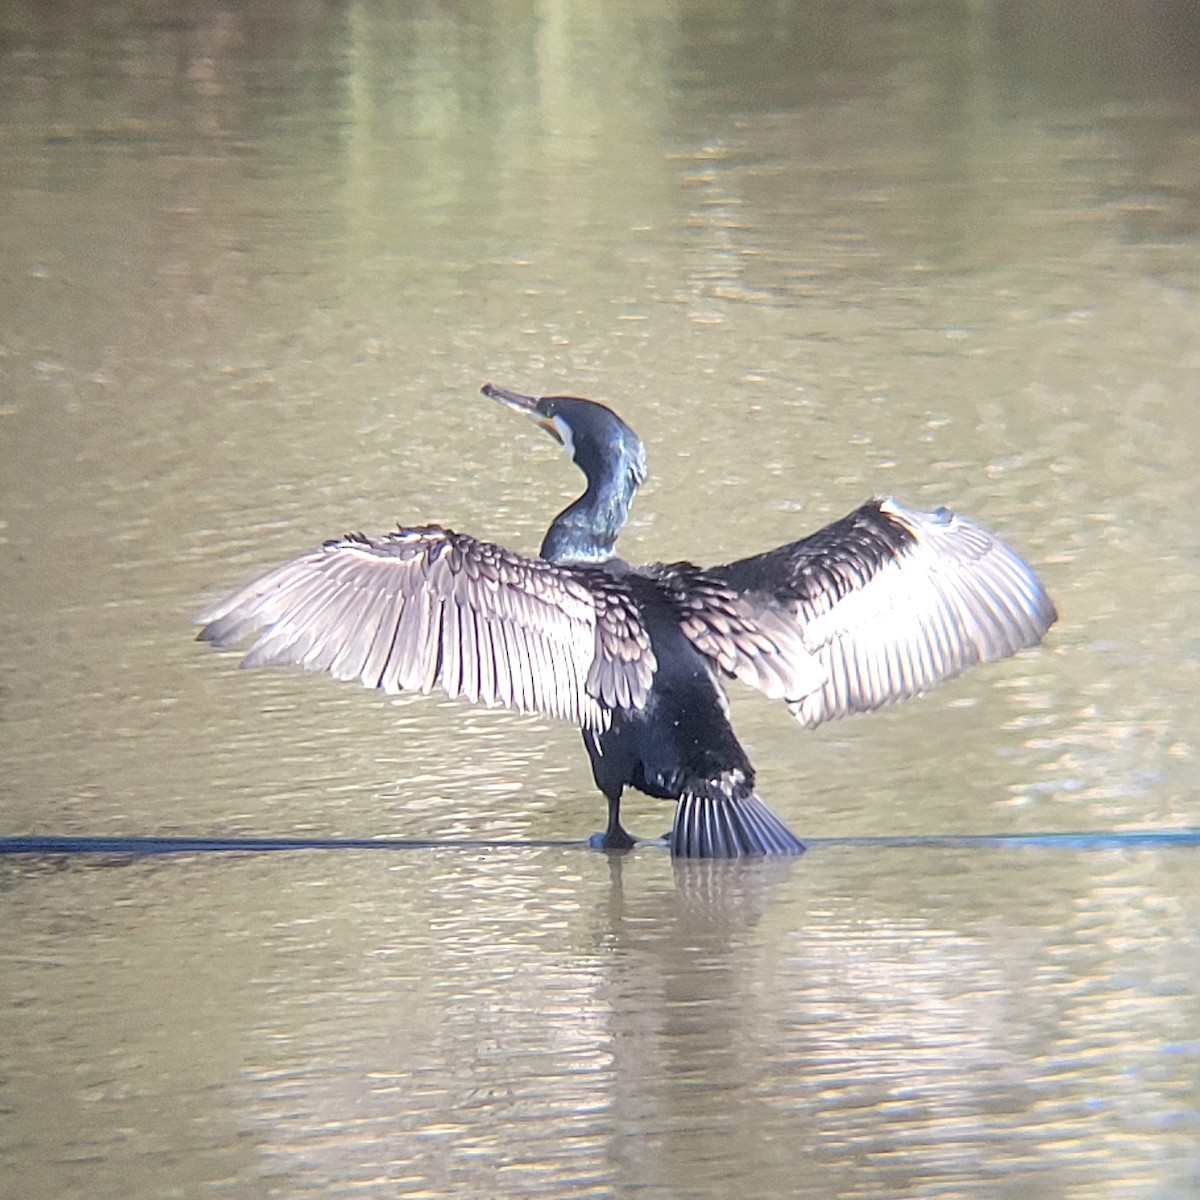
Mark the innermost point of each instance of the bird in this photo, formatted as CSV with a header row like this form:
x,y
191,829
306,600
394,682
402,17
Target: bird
x,y
873,608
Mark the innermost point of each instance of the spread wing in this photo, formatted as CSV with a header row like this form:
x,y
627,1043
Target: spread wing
x,y
426,607
890,600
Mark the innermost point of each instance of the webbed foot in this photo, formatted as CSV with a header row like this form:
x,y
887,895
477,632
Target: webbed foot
x,y
612,840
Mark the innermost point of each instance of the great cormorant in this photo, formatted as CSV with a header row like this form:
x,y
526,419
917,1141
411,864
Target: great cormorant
x,y
871,609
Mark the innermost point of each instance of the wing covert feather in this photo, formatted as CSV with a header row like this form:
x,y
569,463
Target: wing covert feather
x,y
746,635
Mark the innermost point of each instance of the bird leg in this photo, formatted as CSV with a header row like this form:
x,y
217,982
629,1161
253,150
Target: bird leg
x,y
615,837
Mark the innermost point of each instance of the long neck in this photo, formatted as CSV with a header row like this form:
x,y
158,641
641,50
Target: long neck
x,y
586,531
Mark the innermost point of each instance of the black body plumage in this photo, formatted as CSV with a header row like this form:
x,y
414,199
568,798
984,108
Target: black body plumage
x,y
873,608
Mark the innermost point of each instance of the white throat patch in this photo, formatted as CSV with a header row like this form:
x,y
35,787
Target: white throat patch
x,y
564,432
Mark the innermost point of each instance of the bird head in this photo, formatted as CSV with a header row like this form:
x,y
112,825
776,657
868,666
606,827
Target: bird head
x,y
600,444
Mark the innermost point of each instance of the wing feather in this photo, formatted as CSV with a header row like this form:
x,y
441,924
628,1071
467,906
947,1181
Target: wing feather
x,y
468,650
426,607
746,635
891,600
488,692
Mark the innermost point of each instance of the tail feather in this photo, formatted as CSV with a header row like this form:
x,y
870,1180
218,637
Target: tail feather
x,y
711,827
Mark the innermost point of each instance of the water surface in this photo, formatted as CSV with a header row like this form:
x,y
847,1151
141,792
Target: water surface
x,y
257,263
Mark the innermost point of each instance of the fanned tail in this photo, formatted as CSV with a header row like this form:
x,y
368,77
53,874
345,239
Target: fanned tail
x,y
724,827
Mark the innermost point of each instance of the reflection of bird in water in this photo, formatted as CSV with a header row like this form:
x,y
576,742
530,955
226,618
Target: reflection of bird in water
x,y
873,608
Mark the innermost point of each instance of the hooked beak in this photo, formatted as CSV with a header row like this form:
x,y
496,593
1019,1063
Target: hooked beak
x,y
529,405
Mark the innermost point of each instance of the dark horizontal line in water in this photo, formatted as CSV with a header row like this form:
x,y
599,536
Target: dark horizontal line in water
x,y
1094,840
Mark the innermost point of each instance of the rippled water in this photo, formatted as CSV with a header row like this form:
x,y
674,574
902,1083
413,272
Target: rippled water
x,y
257,262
